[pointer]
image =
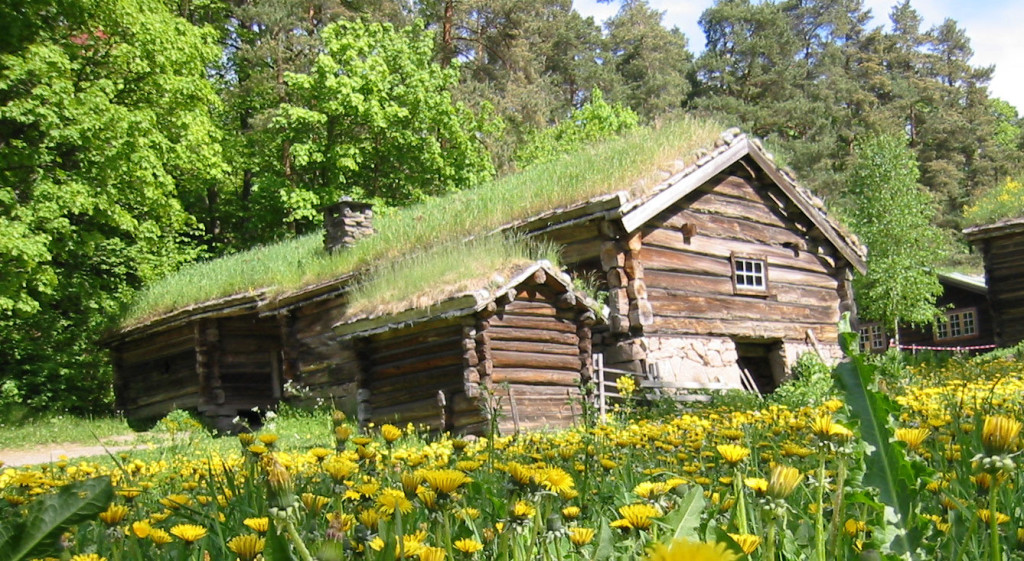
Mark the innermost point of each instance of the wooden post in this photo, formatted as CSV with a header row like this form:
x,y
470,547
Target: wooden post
x,y
515,410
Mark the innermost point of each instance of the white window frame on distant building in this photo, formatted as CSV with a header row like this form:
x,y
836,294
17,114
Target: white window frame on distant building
x,y
961,323
872,338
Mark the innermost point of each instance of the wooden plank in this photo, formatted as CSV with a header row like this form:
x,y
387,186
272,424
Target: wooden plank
x,y
535,347
535,376
731,327
392,353
696,285
722,248
715,226
546,324
713,205
509,359
560,337
445,357
753,308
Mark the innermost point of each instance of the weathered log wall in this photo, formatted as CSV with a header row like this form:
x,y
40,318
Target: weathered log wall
x,y
534,352
312,355
405,370
956,298
1004,271
156,374
686,254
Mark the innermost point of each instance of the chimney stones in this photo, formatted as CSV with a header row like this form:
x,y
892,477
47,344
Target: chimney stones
x,y
345,222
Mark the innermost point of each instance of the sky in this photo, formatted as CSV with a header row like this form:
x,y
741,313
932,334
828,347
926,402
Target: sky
x,y
994,27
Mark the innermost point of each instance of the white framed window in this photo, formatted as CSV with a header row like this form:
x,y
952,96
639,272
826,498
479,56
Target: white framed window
x,y
749,275
872,338
957,324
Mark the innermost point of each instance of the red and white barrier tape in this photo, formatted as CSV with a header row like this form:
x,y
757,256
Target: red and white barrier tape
x,y
927,348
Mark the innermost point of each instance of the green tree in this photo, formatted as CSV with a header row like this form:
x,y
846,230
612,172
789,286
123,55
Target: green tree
x,y
892,214
373,119
104,125
594,121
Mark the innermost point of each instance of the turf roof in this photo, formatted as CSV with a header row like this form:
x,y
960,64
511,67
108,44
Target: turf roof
x,y
634,163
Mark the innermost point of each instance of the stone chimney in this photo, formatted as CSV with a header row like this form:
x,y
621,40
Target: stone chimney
x,y
345,222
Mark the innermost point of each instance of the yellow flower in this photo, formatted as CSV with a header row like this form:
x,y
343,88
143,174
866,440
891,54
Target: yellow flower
x,y
912,437
114,514
189,533
129,492
369,518
999,435
141,529
159,537
554,479
247,547
88,557
468,545
391,500
636,516
758,484
686,550
445,481
783,481
268,438
733,453
571,512
432,554
523,510
176,501
390,433
825,427
257,524
625,385
986,516
319,453
581,536
747,542
853,526
340,469
314,503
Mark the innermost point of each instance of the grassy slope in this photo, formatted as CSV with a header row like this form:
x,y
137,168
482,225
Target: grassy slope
x,y
631,162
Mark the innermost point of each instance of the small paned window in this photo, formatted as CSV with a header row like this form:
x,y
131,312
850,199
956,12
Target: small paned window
x,y
749,275
957,324
872,338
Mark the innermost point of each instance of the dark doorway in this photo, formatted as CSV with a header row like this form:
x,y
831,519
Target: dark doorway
x,y
763,361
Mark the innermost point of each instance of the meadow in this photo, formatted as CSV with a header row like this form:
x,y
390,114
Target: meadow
x,y
916,463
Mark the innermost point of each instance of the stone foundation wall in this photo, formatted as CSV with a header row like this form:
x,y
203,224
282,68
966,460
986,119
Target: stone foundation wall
x,y
695,359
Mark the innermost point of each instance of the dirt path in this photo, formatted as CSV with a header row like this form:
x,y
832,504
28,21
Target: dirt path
x,y
46,453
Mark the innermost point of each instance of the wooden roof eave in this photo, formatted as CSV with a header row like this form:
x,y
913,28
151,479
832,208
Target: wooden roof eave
x,y
965,282
689,180
1007,227
456,306
307,295
236,304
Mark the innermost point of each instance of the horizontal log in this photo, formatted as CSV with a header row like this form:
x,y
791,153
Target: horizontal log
x,y
759,212
535,376
393,396
724,248
742,328
547,324
157,348
508,359
418,408
578,252
439,375
535,347
752,308
445,357
713,226
709,287
559,337
395,351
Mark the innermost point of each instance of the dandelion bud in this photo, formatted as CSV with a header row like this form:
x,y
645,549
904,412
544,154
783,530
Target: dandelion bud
x,y
783,481
999,435
281,490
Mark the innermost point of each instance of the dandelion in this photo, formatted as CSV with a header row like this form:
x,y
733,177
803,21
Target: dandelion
x,y
314,503
523,510
319,453
260,524
188,533
88,557
432,554
636,516
758,484
468,545
391,500
747,542
571,512
581,536
686,550
159,537
783,482
114,514
555,480
999,435
141,529
390,433
445,481
912,437
986,516
247,547
268,438
733,453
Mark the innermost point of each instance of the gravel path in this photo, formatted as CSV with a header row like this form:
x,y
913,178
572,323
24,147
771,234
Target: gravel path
x,y
46,453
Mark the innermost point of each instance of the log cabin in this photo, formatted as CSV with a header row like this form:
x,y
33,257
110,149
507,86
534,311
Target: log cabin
x,y
1002,247
721,271
965,325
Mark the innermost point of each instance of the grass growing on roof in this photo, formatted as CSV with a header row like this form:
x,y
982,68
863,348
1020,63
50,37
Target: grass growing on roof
x,y
432,276
634,162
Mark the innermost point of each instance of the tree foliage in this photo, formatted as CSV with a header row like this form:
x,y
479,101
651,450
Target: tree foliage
x,y
892,215
104,124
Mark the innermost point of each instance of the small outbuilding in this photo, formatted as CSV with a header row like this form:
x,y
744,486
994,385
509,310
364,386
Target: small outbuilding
x,y
516,352
1002,247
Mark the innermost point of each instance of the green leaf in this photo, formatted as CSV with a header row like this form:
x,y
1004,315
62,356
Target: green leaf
x,y
51,515
605,543
685,520
887,468
277,546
